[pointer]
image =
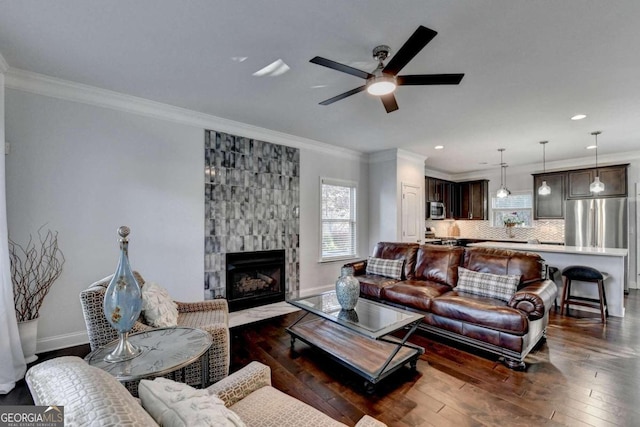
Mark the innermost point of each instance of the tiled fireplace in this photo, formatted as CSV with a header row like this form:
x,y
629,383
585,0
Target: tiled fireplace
x,y
252,193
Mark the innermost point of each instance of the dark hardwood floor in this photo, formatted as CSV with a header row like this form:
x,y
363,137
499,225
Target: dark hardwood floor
x,y
585,374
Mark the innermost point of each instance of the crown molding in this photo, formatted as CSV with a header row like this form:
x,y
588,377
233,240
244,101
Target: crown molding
x,y
3,64
418,159
41,84
395,154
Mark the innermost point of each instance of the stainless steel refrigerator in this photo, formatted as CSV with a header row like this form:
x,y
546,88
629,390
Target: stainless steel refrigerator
x,y
600,223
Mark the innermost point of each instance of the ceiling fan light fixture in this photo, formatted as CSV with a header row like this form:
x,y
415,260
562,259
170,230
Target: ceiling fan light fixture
x,y
381,85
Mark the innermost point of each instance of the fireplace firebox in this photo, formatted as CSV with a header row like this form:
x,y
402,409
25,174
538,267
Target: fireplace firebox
x,y
255,278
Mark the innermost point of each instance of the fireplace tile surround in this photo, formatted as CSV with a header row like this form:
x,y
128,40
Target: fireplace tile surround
x,y
252,199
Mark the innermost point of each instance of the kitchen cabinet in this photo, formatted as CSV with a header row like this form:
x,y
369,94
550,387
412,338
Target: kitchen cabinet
x,y
550,206
439,190
472,199
613,177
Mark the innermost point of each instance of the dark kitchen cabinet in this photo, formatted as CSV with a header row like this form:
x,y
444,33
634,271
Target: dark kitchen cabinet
x,y
439,190
431,189
550,206
613,177
472,199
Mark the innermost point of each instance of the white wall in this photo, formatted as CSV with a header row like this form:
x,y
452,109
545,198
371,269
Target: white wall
x,y
388,170
383,199
314,275
84,170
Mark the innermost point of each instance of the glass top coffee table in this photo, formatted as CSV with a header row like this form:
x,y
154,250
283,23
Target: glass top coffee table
x,y
164,350
358,339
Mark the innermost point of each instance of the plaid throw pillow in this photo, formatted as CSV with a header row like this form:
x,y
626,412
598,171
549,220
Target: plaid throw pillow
x,y
385,267
496,286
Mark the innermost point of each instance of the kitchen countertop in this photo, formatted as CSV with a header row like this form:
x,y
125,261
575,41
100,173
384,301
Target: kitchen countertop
x,y
617,252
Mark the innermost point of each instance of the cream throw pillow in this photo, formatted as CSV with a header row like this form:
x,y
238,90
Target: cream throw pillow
x,y
174,404
158,308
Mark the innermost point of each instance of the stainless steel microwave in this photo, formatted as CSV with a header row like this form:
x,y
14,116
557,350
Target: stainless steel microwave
x,y
436,210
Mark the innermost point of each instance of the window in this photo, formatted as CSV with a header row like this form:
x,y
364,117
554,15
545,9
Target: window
x,y
516,208
338,217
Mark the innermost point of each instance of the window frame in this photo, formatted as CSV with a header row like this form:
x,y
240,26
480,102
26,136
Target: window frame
x,y
514,193
353,186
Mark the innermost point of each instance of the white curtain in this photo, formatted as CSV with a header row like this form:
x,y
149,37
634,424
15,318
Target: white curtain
x,y
12,364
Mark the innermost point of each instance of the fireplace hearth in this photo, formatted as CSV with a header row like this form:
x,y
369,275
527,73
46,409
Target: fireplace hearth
x,y
255,278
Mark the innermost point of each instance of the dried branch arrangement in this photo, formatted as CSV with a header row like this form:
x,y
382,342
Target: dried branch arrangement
x,y
34,268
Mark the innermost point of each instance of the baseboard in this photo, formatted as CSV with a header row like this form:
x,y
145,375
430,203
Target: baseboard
x,y
57,342
315,291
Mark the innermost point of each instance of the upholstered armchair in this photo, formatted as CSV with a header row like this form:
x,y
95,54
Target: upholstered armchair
x,y
211,316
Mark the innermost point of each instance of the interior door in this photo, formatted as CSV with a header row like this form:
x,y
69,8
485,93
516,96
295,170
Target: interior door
x,y
411,213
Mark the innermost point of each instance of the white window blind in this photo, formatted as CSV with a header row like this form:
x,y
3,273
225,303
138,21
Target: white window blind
x,y
338,218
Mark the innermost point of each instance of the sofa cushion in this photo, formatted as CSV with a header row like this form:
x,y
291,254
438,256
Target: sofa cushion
x,y
496,286
371,285
269,407
482,311
529,265
174,404
391,268
438,263
159,309
393,250
417,294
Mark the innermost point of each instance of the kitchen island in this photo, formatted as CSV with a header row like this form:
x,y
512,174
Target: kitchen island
x,y
613,261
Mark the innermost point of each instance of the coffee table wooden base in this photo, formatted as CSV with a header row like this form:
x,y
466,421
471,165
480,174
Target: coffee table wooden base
x,y
367,357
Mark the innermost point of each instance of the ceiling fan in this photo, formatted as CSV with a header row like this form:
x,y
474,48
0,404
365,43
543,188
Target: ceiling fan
x,y
384,79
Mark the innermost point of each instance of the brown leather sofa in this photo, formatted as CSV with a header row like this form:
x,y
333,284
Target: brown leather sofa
x,y
428,285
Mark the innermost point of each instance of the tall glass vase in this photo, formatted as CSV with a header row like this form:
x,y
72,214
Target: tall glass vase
x,y
123,303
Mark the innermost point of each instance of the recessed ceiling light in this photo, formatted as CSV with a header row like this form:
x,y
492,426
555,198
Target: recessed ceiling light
x,y
274,69
318,86
439,147
591,147
578,117
239,58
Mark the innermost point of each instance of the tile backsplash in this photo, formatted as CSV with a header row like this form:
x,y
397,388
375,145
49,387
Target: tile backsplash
x,y
545,230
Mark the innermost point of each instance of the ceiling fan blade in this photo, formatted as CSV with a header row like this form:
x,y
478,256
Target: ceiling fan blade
x,y
416,42
340,67
343,95
389,102
429,79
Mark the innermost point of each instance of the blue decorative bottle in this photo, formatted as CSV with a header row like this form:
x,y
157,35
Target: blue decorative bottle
x,y
123,303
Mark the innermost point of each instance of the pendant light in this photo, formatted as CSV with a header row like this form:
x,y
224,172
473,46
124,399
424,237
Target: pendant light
x,y
596,186
544,189
503,191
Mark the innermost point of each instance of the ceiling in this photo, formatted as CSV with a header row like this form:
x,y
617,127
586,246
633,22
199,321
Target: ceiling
x,y
529,66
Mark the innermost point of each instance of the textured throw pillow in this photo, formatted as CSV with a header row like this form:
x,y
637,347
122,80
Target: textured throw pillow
x,y
385,267
174,404
158,308
496,286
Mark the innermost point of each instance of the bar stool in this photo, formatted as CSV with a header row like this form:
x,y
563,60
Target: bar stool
x,y
584,274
